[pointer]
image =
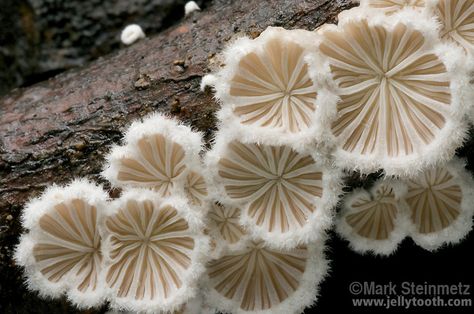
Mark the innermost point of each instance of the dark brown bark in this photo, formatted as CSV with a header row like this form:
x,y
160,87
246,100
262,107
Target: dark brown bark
x,y
62,128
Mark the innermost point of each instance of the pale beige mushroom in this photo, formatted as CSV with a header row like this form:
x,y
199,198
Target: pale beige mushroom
x,y
457,21
398,108
374,220
196,188
440,204
265,81
158,163
153,248
158,154
259,279
280,190
62,250
392,6
226,219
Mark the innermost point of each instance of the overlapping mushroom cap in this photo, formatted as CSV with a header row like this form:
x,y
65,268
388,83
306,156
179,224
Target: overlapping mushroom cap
x,y
259,279
392,6
264,87
225,226
374,220
286,196
154,251
401,104
195,188
457,21
433,208
62,250
159,154
440,203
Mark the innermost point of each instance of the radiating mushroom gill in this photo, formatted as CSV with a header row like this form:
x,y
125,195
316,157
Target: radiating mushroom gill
x,y
395,92
195,187
158,162
150,250
70,247
258,278
271,87
226,220
434,199
392,6
279,184
373,217
457,21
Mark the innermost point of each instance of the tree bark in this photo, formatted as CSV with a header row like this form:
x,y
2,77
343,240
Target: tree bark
x,y
62,128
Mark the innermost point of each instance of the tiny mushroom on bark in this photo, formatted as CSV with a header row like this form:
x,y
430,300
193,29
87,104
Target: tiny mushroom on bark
x,y
224,225
131,33
190,7
392,6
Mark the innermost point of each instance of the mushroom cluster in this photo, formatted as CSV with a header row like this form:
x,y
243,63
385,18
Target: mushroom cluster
x,y
241,227
434,208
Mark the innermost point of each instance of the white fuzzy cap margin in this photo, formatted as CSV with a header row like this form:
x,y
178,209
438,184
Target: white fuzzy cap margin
x,y
91,194
199,256
190,141
221,82
451,136
365,245
305,295
462,225
317,222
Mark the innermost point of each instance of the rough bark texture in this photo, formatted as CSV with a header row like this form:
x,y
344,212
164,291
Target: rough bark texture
x,y
41,38
62,128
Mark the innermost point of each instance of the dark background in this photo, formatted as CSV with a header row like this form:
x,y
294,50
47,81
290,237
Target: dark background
x,y
42,38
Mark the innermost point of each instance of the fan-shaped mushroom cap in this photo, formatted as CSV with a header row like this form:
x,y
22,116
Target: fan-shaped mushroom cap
x,y
158,154
402,93
61,250
154,250
440,203
264,87
195,187
374,221
457,21
259,279
225,227
286,196
392,6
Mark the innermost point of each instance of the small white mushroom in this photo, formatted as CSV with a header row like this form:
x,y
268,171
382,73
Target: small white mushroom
x,y
131,34
190,7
